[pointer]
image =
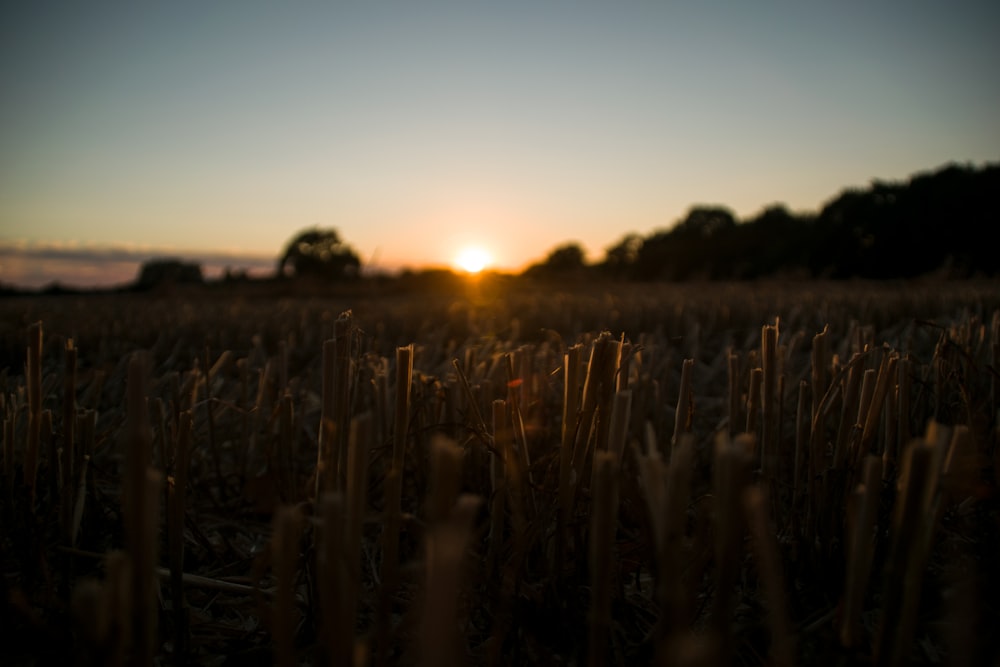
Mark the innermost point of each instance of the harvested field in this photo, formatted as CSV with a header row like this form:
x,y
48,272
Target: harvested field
x,y
514,474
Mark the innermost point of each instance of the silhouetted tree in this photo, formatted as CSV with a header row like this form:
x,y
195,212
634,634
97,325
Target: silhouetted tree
x,y
168,272
319,253
564,260
774,242
706,222
620,259
699,246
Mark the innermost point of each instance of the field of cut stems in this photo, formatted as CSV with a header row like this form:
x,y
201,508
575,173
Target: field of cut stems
x,y
699,475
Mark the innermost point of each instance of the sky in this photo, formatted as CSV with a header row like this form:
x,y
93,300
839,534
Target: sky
x,y
218,130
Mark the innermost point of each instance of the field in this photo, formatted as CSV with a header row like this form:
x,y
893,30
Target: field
x,y
503,474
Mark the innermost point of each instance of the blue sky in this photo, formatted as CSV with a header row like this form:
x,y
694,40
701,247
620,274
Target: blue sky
x,y
419,128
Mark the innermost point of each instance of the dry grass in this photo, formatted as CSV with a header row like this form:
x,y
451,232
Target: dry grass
x,y
703,475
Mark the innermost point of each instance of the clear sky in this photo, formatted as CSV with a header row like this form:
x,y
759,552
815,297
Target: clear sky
x,y
418,128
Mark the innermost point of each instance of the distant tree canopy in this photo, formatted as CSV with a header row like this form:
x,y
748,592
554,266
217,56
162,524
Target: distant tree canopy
x,y
168,272
319,253
563,260
936,222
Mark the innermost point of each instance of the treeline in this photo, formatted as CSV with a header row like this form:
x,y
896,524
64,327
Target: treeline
x,y
935,223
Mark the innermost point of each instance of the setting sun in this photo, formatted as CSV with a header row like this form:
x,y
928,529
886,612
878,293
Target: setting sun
x,y
472,259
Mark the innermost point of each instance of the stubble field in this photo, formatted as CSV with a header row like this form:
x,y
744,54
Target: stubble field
x,y
503,474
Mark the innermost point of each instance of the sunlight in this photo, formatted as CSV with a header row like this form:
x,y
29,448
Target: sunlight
x,y
472,259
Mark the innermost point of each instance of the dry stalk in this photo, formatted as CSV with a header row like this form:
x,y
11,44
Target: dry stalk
x,y
961,466
684,414
359,446
572,386
734,392
470,397
8,464
213,444
730,476
849,410
604,521
886,378
673,598
903,435
769,566
392,520
326,455
620,416
801,479
769,405
509,473
514,384
335,579
598,391
284,458
446,551
68,416
285,541
753,401
34,390
176,504
863,511
913,524
343,330
446,471
140,504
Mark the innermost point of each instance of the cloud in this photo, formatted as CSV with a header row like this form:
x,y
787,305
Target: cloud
x,y
37,264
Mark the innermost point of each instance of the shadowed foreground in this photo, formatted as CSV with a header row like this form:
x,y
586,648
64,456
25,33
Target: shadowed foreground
x,y
773,473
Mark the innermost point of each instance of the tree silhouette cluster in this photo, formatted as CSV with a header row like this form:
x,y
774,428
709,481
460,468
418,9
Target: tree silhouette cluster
x,y
937,222
319,253
168,272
